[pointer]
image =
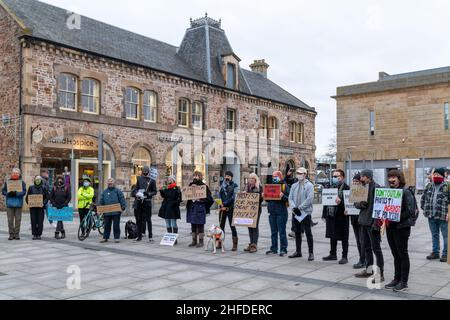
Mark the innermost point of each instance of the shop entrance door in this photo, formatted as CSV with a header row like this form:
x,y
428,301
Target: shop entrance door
x,y
88,168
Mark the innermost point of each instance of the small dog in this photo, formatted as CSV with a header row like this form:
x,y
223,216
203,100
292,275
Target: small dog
x,y
216,236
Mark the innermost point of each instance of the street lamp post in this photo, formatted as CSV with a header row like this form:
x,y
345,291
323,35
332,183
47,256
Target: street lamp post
x,y
349,154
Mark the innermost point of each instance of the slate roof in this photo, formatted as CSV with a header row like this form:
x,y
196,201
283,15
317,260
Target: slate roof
x,y
48,23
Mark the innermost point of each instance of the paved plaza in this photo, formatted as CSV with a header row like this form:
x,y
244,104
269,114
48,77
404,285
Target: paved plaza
x,y
39,269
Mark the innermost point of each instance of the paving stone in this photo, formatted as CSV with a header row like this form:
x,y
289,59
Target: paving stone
x,y
333,294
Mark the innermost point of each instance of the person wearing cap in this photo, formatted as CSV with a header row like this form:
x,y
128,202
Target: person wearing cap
x,y
357,231
227,194
14,204
143,192
85,198
434,203
370,229
110,196
37,214
278,216
301,198
170,207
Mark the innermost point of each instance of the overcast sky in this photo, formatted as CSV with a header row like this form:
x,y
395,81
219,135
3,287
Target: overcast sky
x,y
312,46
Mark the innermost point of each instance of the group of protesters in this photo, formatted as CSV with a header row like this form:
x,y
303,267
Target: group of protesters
x,y
296,200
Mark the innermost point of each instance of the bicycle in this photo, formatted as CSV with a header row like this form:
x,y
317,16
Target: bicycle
x,y
92,221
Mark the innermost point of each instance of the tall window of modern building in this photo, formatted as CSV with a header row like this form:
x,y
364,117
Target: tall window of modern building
x,y
67,94
446,125
231,79
90,96
372,123
132,103
150,106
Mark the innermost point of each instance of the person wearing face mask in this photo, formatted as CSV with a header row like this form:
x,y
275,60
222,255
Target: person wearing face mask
x,y
254,186
370,229
301,198
60,198
434,203
337,223
170,207
278,216
85,197
14,204
37,215
357,231
196,211
110,196
227,194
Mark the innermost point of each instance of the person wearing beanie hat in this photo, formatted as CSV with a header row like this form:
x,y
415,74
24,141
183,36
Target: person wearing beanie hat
x,y
170,207
367,173
278,216
14,204
227,194
357,230
37,214
60,198
434,203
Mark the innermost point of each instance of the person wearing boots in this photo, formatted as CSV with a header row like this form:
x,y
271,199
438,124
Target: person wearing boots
x,y
301,200
143,192
254,186
60,198
197,211
357,231
170,207
337,223
278,216
14,204
37,214
370,230
227,194
112,195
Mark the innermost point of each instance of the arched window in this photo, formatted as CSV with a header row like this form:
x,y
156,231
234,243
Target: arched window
x,y
132,103
183,113
200,163
292,131
273,127
141,158
150,106
67,91
174,165
90,96
197,115
300,133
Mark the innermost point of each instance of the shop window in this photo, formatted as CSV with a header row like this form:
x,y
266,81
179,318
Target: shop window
x,y
200,163
67,92
150,106
132,103
183,113
141,158
174,165
90,96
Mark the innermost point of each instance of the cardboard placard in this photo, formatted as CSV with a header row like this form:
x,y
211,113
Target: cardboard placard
x,y
272,192
65,214
246,209
14,186
358,193
329,197
349,206
35,201
109,208
387,204
194,193
169,239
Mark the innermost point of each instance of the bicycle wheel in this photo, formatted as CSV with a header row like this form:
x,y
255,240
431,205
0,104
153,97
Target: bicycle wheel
x,y
85,227
101,225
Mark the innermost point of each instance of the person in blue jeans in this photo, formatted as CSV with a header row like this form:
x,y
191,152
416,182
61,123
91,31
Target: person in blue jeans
x,y
112,195
434,203
278,216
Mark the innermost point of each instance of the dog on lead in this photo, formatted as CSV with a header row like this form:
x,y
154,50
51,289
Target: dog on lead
x,y
216,236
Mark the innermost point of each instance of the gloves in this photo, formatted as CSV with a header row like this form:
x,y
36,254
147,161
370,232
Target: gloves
x,y
12,194
297,212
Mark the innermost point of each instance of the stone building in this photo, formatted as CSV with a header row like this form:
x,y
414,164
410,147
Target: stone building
x,y
400,121
65,79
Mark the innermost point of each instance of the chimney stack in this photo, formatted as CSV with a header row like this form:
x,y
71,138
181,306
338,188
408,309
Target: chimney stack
x,y
260,66
382,75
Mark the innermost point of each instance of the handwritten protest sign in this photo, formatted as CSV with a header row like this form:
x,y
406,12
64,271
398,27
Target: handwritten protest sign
x,y
64,214
109,208
387,204
14,186
35,201
358,193
329,197
194,193
246,208
349,206
169,239
272,192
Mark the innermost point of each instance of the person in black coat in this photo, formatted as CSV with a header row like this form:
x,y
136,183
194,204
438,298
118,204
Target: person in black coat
x,y
60,198
37,214
337,223
170,207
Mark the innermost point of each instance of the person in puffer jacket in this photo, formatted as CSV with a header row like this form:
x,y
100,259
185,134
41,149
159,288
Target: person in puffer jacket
x,y
60,198
14,204
37,214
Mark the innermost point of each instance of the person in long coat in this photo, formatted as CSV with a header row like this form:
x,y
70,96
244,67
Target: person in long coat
x,y
170,207
337,222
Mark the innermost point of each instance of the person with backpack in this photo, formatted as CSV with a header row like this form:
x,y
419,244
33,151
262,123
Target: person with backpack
x,y
398,233
60,198
143,192
278,216
112,195
170,207
85,197
227,194
197,211
14,204
434,203
37,214
254,186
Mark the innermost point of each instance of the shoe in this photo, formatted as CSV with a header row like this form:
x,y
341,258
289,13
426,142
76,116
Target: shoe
x,y
201,237
271,252
253,248
194,240
151,240
343,261
103,240
364,274
11,237
311,257
34,238
433,256
401,287
137,240
235,244
296,255
116,241
282,254
392,285
57,237
63,234
315,224
292,234
39,238
248,248
330,258
17,237
443,259
359,265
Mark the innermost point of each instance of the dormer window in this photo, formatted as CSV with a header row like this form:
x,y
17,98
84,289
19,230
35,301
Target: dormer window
x,y
231,71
